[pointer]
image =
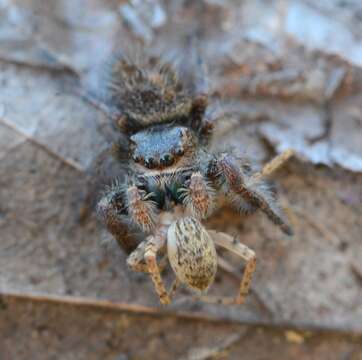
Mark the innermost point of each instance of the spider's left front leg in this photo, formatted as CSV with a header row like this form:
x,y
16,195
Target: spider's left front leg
x,y
141,209
252,190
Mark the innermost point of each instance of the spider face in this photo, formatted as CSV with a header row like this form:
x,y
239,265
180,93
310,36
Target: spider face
x,y
160,147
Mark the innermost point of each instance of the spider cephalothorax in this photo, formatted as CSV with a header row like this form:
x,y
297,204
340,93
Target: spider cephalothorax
x,y
162,147
170,166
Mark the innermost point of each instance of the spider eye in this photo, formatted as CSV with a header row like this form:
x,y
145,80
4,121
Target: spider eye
x,y
136,158
150,163
167,160
179,151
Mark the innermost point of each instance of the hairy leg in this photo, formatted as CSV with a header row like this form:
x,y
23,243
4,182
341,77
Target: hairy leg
x,y
136,260
141,210
144,258
111,210
153,245
248,188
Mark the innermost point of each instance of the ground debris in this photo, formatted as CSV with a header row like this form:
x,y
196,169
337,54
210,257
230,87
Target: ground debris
x,y
212,351
294,337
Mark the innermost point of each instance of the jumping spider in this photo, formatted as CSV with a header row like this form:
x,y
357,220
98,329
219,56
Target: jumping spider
x,y
173,179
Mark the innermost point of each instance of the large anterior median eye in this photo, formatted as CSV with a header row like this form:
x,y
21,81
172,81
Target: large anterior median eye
x,y
151,163
179,151
167,160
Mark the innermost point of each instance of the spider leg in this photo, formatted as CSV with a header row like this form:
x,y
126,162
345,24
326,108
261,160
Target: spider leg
x,y
138,265
124,210
176,283
144,259
198,196
136,260
154,244
141,210
111,210
250,189
233,245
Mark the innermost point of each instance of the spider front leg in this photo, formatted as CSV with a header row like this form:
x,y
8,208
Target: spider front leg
x,y
250,189
141,209
121,210
198,196
112,211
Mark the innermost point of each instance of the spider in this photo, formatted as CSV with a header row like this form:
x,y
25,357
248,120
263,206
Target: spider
x,y
174,180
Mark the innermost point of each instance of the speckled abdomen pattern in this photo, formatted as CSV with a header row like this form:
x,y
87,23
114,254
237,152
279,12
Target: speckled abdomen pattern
x,y
192,253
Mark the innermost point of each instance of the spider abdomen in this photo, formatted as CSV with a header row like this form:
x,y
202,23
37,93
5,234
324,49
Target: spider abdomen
x,y
192,253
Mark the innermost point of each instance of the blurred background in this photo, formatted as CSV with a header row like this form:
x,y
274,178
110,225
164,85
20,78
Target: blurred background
x,y
281,74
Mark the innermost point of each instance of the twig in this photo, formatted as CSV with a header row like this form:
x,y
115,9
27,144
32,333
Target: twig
x,y
57,67
91,99
68,162
274,164
104,305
